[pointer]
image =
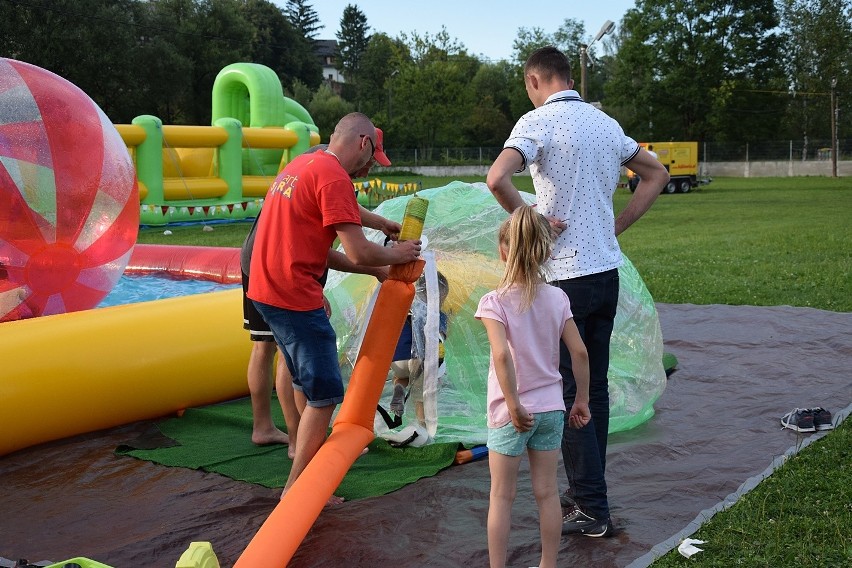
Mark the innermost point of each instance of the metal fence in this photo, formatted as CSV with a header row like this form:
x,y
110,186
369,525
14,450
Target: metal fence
x,y
479,156
775,150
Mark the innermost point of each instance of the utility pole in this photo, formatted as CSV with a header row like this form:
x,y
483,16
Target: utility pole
x,y
390,96
833,128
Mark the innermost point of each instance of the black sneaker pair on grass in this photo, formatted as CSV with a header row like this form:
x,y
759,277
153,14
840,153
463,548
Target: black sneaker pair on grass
x,y
575,521
807,419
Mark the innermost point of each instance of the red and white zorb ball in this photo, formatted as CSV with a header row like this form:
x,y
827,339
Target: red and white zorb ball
x,y
69,201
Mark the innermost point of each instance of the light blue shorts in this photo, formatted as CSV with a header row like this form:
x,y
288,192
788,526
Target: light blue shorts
x,y
545,435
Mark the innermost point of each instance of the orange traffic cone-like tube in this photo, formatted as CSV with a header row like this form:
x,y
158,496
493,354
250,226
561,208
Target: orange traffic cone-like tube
x,y
280,535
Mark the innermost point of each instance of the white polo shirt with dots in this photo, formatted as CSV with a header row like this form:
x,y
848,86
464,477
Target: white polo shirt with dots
x,y
575,153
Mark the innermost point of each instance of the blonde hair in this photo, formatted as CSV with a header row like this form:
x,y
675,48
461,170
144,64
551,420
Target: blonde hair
x,y
525,236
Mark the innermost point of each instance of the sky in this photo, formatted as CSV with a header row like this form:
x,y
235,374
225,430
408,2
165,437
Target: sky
x,y
485,27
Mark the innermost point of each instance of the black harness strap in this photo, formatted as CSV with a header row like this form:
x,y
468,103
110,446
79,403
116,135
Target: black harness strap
x,y
392,423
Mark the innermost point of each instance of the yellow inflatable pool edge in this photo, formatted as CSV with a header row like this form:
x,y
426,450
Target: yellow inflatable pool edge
x,y
80,372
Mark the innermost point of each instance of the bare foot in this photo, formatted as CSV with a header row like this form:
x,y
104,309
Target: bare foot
x,y
291,450
334,501
363,452
274,436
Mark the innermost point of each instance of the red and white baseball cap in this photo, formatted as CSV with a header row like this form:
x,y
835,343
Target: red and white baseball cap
x,y
379,155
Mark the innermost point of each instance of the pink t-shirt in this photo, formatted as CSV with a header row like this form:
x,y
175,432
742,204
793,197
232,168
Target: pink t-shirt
x,y
534,338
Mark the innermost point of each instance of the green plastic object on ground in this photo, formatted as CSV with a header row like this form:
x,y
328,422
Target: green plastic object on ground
x,y
198,555
78,562
461,229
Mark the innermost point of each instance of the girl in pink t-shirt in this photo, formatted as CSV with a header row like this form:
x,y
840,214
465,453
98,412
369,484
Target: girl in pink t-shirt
x,y
526,319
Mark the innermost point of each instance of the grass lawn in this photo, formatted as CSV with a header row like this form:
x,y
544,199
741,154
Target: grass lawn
x,y
800,516
757,241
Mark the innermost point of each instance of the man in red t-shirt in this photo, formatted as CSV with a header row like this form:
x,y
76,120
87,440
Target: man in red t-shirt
x,y
260,368
309,204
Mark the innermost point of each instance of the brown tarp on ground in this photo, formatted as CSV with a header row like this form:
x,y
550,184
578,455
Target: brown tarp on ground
x,y
717,424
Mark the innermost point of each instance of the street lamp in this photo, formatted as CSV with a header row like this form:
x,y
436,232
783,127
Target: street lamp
x,y
833,128
390,84
605,29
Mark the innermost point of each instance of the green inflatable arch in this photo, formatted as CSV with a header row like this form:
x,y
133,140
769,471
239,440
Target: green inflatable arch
x,y
252,94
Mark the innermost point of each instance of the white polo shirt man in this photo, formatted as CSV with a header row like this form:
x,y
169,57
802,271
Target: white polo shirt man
x,y
575,153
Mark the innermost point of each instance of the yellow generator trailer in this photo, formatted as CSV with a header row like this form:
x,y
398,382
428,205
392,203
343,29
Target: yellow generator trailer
x,y
681,161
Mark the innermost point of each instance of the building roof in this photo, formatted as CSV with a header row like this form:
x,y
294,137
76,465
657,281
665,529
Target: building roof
x,y
325,47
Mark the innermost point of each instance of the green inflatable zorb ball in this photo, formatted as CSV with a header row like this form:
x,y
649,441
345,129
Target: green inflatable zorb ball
x,y
460,230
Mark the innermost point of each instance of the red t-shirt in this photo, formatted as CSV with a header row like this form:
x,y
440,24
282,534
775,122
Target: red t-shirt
x,y
310,195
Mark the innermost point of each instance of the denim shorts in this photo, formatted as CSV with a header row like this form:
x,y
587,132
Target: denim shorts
x,y
309,345
545,435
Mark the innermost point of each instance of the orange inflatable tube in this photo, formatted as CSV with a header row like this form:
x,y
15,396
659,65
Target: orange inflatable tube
x,y
283,531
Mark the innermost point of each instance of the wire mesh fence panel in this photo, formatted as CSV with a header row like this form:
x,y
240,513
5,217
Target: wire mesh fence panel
x,y
803,149
443,156
774,150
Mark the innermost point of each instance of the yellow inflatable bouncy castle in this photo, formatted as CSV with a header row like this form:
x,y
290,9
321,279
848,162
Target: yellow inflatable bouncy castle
x,y
198,173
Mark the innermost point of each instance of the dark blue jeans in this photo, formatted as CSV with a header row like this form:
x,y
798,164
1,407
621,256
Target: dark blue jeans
x,y
594,299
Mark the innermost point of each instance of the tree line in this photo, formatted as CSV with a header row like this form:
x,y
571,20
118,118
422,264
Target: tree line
x,y
707,70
